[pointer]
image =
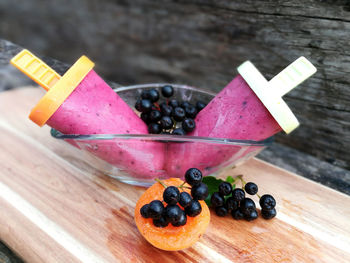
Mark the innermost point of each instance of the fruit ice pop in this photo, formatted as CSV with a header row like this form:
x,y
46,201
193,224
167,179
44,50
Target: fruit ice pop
x,y
80,102
248,108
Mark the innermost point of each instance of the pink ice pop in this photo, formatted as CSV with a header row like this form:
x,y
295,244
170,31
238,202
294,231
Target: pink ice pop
x,y
80,102
94,108
248,108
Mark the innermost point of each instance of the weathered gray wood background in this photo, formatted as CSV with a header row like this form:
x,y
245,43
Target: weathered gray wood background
x,y
201,42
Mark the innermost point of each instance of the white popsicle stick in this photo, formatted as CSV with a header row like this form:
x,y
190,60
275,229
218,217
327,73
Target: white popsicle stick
x,y
270,93
292,76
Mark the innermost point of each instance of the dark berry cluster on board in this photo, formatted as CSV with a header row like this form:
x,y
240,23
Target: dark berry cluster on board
x,y
226,199
177,205
170,116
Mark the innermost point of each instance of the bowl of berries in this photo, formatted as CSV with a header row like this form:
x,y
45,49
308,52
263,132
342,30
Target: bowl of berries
x,y
171,115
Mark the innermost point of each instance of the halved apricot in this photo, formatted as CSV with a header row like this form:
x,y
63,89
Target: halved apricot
x,y
170,238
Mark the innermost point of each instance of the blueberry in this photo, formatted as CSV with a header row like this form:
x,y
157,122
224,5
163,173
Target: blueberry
x,y
166,110
178,131
155,209
185,104
185,199
231,204
217,200
200,105
153,95
251,188
191,111
144,211
171,195
182,221
167,91
145,95
155,116
179,114
247,205
146,106
268,214
145,117
193,176
188,125
166,122
200,191
238,194
161,222
237,214
173,213
138,105
163,104
225,188
221,211
193,209
251,216
267,202
154,128
174,103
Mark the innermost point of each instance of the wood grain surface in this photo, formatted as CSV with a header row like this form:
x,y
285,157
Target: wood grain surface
x,y
56,208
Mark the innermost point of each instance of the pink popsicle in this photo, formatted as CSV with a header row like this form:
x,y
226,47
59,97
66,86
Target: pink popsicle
x,y
80,102
94,108
235,113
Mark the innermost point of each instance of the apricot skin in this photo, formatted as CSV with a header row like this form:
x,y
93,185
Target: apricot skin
x,y
170,238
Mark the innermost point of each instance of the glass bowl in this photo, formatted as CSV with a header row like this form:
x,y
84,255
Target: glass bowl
x,y
139,159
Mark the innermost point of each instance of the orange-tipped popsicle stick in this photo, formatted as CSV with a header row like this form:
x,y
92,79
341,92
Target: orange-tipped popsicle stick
x,y
58,88
35,69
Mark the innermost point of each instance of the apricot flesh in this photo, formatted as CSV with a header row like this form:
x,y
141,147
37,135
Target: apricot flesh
x,y
170,238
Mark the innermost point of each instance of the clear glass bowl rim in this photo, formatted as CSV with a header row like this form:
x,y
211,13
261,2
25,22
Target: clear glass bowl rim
x,y
161,137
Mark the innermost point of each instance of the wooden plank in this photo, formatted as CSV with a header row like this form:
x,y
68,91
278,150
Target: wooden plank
x,y
78,214
307,166
18,231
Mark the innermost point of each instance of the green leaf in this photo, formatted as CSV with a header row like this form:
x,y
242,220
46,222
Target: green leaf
x,y
230,179
212,183
213,186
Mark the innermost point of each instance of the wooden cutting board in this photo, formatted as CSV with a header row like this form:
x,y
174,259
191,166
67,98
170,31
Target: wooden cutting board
x,y
56,208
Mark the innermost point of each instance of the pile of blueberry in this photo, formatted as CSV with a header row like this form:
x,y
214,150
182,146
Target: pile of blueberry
x,y
240,206
178,205
170,116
